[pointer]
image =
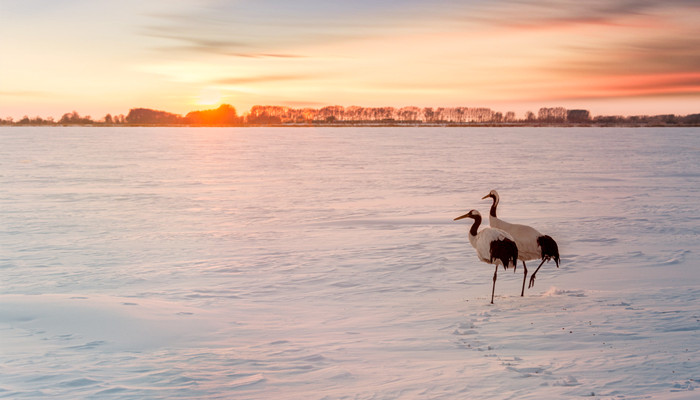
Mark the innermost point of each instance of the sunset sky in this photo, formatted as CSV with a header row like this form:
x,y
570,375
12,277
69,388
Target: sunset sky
x,y
98,57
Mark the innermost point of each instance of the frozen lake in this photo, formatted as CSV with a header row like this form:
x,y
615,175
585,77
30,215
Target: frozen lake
x,y
312,263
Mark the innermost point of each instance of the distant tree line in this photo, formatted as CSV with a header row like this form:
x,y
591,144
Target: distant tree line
x,y
226,115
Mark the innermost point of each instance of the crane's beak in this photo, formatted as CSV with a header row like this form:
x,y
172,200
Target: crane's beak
x,y
486,197
463,216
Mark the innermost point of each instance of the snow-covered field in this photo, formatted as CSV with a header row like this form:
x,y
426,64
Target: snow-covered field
x,y
324,263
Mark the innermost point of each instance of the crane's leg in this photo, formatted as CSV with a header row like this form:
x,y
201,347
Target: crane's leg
x,y
522,292
493,289
532,278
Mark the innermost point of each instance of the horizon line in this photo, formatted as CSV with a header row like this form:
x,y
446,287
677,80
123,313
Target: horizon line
x,y
328,106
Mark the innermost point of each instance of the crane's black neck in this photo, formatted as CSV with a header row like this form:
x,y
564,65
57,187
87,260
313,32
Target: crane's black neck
x,y
493,206
475,226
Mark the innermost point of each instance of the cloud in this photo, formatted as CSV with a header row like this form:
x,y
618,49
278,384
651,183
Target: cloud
x,y
617,87
658,82
263,55
270,28
214,43
261,79
634,56
190,41
643,86
22,93
544,14
669,53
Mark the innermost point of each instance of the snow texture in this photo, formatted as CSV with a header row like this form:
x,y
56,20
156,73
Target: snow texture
x,y
324,263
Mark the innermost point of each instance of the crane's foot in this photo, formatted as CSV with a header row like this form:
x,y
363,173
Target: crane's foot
x,y
532,282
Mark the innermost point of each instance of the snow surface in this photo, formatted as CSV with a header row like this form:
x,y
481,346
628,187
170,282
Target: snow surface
x,y
324,263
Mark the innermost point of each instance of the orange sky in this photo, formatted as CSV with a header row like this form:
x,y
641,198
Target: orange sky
x,y
98,57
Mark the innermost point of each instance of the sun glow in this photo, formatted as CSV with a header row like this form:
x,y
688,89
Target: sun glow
x,y
209,97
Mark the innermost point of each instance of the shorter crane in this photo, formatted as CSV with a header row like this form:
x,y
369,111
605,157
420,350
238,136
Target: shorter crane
x,y
493,246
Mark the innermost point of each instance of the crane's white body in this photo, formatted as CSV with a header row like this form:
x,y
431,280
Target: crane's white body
x,y
525,238
482,243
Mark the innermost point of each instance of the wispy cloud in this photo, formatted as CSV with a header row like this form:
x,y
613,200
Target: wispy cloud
x,y
197,41
634,56
23,93
271,27
546,13
261,79
264,55
687,83
181,39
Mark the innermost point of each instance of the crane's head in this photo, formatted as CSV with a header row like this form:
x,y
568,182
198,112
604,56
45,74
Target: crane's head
x,y
471,214
492,194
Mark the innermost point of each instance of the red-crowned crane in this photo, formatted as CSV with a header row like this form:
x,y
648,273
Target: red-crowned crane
x,y
493,246
532,245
